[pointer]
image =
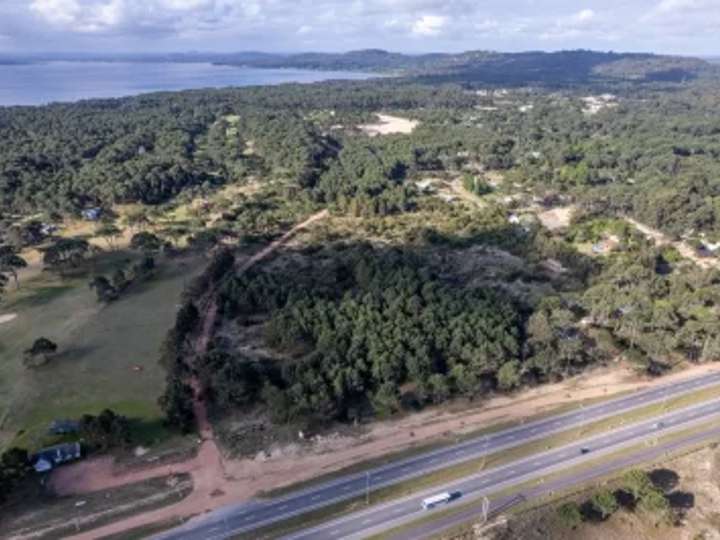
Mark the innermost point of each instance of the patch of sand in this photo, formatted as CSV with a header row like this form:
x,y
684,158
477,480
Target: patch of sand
x,y
557,218
7,317
389,125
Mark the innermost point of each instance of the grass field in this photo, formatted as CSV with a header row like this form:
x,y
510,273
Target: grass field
x,y
107,354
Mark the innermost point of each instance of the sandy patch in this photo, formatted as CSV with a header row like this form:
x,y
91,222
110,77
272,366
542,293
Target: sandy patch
x,y
389,125
557,218
7,317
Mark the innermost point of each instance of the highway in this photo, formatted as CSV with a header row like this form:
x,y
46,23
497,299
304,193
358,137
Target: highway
x,y
379,518
236,519
472,513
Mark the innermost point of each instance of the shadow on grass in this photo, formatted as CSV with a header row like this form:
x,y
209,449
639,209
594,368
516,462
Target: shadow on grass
x,y
40,296
149,432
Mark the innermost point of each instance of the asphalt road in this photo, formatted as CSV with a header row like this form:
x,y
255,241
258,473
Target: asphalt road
x,y
236,519
473,513
385,516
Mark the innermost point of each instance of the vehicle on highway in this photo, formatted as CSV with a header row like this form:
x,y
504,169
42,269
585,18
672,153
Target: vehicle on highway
x,y
659,425
432,502
584,450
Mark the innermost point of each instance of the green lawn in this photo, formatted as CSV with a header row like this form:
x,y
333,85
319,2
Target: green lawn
x,y
101,348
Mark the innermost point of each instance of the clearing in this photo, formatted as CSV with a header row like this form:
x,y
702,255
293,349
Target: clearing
x,y
389,125
107,353
557,218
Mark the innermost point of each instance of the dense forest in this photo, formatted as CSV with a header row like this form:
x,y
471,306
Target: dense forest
x,y
381,316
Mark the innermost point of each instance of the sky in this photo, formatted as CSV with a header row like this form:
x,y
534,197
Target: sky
x,y
688,27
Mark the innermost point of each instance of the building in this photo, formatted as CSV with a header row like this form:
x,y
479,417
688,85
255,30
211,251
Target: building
x,y
48,458
91,214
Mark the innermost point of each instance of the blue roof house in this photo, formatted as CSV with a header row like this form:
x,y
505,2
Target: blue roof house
x,y
48,458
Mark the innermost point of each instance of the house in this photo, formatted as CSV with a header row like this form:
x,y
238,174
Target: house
x,y
91,214
48,458
63,427
48,228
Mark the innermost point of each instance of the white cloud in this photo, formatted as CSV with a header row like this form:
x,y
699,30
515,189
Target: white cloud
x,y
343,24
429,25
81,17
672,6
584,16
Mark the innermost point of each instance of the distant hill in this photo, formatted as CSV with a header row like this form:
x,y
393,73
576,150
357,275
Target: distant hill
x,y
502,68
488,67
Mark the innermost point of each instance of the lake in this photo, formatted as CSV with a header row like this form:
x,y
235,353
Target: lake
x,y
45,82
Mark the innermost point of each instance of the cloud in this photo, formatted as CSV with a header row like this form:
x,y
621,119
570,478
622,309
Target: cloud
x,y
584,16
149,25
583,22
673,6
429,25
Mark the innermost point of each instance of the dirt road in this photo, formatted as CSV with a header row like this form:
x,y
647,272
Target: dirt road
x,y
686,250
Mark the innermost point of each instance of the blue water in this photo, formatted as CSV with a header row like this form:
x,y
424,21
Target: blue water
x,y
46,82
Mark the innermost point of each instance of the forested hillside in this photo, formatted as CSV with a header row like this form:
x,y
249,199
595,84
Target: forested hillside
x,y
499,68
443,269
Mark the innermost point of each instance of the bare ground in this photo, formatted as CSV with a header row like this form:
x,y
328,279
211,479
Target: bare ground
x,y
557,218
388,125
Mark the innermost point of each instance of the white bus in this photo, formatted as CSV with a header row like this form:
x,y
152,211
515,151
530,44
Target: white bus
x,y
432,502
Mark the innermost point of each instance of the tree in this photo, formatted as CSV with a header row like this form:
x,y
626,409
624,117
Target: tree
x,y
11,262
109,232
637,482
107,430
386,400
146,241
42,349
177,403
65,252
509,376
570,515
105,291
438,388
654,502
604,503
14,467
